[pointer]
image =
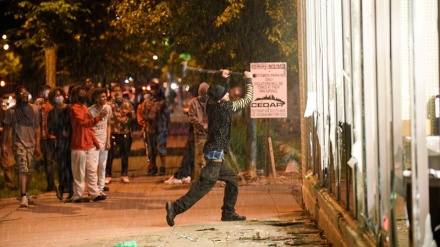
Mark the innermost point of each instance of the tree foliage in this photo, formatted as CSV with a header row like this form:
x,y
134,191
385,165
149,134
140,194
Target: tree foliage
x,y
217,34
109,39
10,65
46,23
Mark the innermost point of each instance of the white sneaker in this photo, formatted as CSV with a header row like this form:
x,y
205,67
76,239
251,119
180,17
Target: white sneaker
x,y
170,180
108,180
125,179
24,202
177,181
186,180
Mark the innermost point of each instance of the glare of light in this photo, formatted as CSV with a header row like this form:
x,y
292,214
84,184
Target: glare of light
x,y
6,47
4,36
11,102
126,81
148,87
187,88
155,57
174,86
2,83
144,88
130,78
165,84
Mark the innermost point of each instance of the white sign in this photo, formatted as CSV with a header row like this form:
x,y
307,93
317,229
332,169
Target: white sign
x,y
270,90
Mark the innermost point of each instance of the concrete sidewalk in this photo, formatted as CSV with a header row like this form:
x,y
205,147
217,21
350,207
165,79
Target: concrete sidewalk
x,y
135,212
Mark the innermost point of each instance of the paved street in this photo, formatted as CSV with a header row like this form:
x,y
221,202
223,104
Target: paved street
x,y
134,214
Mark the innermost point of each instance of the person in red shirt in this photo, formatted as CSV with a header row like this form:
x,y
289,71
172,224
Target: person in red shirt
x,y
84,148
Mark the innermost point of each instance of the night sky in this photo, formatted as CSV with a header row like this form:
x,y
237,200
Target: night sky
x,y
6,22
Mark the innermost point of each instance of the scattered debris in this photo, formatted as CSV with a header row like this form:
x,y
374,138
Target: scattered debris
x,y
127,244
282,238
280,223
294,242
207,229
186,237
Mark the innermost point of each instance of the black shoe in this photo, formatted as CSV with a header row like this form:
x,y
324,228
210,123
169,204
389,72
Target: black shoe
x,y
100,198
152,172
162,171
170,213
106,188
232,217
81,200
59,193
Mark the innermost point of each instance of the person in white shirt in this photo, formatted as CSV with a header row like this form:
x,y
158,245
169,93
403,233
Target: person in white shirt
x,y
98,96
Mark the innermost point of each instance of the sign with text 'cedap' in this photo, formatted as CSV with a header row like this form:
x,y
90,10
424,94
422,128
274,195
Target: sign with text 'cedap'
x,y
270,90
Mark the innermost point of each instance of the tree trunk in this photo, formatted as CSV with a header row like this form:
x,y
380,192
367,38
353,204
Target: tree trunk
x,y
51,65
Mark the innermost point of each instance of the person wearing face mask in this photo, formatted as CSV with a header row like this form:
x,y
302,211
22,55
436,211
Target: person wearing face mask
x,y
84,148
24,119
88,85
47,140
120,138
58,123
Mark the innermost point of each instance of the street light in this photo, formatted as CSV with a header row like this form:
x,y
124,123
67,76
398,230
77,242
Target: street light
x,y
174,86
2,83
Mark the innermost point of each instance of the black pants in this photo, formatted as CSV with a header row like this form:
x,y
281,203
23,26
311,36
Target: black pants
x,y
65,177
48,149
187,165
212,172
120,144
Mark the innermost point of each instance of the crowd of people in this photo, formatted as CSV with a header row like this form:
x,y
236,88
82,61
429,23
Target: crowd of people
x,y
83,130
80,132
